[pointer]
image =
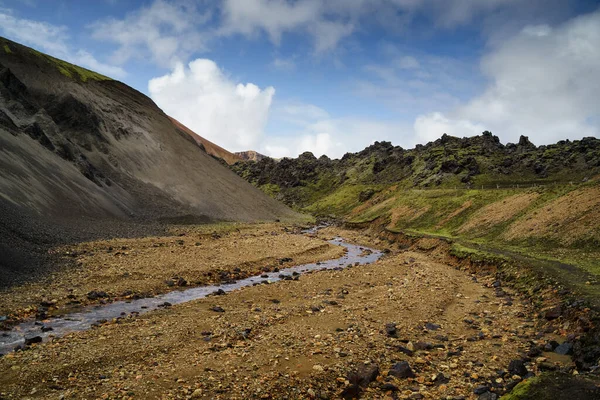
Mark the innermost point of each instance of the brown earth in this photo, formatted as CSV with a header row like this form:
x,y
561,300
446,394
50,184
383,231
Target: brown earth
x,y
211,148
567,219
498,212
405,213
124,268
298,339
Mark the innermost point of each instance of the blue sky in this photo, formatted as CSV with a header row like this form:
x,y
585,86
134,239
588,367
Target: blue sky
x,y
283,76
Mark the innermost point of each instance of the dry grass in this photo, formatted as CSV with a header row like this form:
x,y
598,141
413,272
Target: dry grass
x,y
498,212
567,219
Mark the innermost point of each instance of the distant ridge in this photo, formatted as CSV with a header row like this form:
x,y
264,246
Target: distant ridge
x,y
250,155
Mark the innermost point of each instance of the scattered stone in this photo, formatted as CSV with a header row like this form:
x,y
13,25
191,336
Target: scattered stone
x,y
517,367
553,313
217,309
95,295
390,330
564,349
401,370
481,389
389,387
432,327
488,396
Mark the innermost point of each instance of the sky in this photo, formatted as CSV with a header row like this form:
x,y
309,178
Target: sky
x,y
332,76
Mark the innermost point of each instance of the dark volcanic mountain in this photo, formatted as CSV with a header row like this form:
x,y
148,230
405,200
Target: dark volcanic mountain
x,y
449,162
83,156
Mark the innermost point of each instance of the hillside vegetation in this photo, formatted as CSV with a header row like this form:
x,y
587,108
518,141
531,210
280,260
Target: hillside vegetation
x,y
543,201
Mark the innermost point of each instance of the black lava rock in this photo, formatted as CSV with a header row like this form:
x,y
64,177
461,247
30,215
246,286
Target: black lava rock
x,y
401,370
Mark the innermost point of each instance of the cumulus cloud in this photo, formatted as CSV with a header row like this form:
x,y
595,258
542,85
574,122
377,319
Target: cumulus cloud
x,y
168,32
206,100
316,131
431,126
544,84
52,39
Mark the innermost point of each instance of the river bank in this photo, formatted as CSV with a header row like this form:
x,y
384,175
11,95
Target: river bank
x,y
406,326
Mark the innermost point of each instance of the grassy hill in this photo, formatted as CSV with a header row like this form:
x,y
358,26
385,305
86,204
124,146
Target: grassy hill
x,y
539,202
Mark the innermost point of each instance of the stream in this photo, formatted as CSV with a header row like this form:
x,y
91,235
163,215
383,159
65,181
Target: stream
x,y
36,331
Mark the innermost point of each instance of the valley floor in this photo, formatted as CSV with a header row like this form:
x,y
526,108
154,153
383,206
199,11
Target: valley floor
x,y
329,334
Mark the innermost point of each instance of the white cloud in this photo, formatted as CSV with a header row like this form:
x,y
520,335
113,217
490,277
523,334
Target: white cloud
x,y
276,17
49,37
544,84
207,101
52,39
315,131
431,126
86,59
284,64
168,32
414,84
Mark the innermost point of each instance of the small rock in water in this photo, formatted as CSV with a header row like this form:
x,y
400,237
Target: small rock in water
x,y
219,292
47,329
32,340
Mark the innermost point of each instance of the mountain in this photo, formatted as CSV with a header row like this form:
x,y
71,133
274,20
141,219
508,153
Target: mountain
x,y
449,162
250,155
208,146
84,156
538,201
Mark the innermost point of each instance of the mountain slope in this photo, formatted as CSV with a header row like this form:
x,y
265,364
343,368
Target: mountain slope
x,y
211,148
541,201
78,149
449,162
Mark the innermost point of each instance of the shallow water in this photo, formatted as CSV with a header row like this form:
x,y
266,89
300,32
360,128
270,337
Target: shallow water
x,y
89,316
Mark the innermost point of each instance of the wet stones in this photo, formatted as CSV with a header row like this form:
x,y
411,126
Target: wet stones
x,y
401,370
32,340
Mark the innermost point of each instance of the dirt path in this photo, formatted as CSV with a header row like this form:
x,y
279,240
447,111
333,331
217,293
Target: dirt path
x,y
299,339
